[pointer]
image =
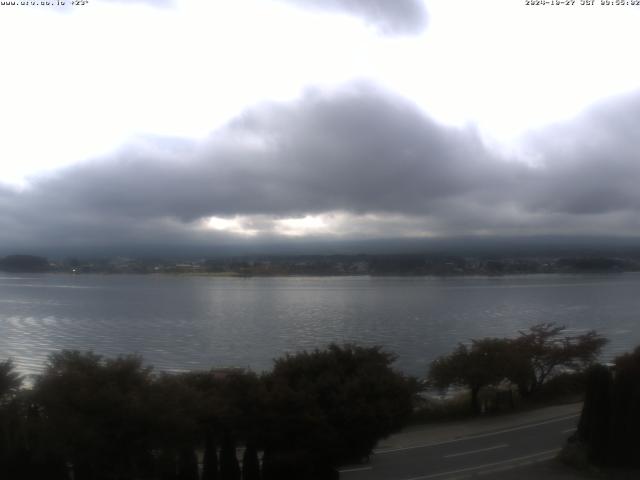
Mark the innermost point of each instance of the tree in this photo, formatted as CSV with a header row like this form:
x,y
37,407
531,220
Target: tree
x,y
250,463
543,350
594,424
527,361
174,407
485,362
624,444
24,263
187,464
10,381
13,451
230,406
610,418
210,459
96,410
329,407
229,467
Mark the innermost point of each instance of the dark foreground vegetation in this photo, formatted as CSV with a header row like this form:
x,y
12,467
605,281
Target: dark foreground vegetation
x,y
607,433
91,418
86,417
528,364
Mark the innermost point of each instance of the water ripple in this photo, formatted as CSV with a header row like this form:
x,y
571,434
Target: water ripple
x,y
180,323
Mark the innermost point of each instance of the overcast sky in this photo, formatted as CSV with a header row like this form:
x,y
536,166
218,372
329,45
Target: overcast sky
x,y
204,122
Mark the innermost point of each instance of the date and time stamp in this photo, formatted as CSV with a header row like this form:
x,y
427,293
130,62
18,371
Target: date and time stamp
x,y
45,3
552,3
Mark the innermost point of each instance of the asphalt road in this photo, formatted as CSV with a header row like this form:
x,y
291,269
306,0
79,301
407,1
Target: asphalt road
x,y
472,455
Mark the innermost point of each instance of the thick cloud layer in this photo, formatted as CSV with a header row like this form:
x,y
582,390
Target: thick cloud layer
x,y
360,151
590,165
389,16
369,161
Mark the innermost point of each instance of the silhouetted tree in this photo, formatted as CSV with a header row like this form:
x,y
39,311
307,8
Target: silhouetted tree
x,y
624,441
14,452
610,418
542,350
167,465
210,459
10,381
527,361
594,424
24,263
96,410
113,419
290,464
187,464
250,463
331,406
485,362
229,468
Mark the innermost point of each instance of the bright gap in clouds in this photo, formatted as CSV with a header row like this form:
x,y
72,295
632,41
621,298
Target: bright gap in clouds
x,y
331,224
288,227
304,226
230,225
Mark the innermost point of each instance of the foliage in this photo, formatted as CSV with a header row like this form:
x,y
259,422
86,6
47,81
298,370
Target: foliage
x,y
483,363
10,381
250,463
96,410
610,417
229,467
528,361
92,418
210,459
625,411
567,387
543,351
333,405
24,263
429,410
593,427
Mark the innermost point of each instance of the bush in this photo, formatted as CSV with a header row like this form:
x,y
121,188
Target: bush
x,y
115,418
432,409
610,418
565,387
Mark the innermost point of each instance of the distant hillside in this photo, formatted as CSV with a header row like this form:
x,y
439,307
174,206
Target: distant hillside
x,y
24,263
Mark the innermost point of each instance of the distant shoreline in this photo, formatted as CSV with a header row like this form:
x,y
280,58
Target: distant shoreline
x,y
332,275
407,265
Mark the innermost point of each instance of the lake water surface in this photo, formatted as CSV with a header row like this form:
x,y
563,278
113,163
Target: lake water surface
x,y
179,322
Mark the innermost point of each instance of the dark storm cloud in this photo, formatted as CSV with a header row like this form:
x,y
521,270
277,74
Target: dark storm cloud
x,y
359,151
371,156
389,16
590,165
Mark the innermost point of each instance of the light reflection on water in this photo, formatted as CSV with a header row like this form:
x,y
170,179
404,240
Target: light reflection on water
x,y
180,323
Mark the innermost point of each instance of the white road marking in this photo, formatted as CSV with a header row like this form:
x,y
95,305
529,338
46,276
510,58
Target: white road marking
x,y
357,469
515,460
504,445
472,437
569,430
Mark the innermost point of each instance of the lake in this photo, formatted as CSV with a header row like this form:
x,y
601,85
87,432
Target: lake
x,y
181,322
